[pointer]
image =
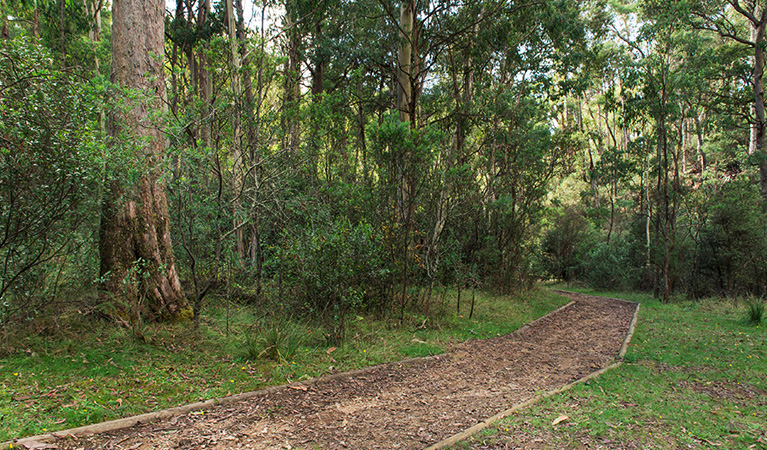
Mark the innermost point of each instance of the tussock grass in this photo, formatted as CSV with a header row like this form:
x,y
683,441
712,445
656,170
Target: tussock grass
x,y
755,311
87,371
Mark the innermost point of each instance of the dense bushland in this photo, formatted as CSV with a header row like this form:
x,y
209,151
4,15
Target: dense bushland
x,y
311,167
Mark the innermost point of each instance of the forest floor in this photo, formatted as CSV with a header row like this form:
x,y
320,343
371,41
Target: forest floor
x,y
407,405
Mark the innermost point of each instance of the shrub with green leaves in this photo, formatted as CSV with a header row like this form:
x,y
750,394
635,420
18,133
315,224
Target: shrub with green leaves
x,y
608,266
731,255
566,244
332,266
49,178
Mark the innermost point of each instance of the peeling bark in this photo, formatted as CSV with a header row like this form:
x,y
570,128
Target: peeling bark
x,y
137,263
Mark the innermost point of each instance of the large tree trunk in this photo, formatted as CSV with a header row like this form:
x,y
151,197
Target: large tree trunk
x,y
137,262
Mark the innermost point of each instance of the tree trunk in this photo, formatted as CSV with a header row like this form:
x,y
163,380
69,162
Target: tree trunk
x,y
759,105
404,106
137,262
238,163
174,62
757,144
62,34
4,34
36,25
313,146
473,297
291,128
249,147
663,187
648,213
247,84
699,144
405,60
204,78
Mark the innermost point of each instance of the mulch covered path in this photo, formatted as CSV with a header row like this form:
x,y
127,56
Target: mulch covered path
x,y
408,405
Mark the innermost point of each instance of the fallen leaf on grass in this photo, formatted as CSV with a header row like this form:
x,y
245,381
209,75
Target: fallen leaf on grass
x,y
330,350
559,420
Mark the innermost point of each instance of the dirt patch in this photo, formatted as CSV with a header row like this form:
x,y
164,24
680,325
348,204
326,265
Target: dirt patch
x,y
730,391
400,405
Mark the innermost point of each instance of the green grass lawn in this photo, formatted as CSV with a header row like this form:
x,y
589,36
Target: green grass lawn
x,y
84,371
695,376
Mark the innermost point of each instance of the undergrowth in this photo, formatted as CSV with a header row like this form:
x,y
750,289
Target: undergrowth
x,y
755,311
693,378
84,371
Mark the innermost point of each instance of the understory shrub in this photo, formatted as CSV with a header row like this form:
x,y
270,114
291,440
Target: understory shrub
x,y
50,172
566,245
332,268
608,266
731,255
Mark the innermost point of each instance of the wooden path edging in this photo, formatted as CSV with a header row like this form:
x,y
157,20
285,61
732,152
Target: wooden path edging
x,y
154,416
127,422
454,439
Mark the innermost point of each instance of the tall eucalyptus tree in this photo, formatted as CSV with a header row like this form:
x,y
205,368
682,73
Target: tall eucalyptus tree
x,y
137,261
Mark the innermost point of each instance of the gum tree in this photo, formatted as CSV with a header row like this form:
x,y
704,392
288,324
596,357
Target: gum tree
x,y
744,23
137,261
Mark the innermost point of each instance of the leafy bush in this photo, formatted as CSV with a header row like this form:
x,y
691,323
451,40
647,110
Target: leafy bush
x,y
332,266
608,266
731,256
566,244
49,178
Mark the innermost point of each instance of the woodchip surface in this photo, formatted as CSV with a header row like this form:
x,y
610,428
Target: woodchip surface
x,y
407,405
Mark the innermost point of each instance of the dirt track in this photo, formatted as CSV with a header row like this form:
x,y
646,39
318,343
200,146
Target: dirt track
x,y
401,405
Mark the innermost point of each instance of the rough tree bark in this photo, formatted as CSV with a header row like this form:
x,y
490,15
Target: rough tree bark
x,y
137,262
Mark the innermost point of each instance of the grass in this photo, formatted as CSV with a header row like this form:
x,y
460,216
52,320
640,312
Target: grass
x,y
755,313
84,371
694,377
